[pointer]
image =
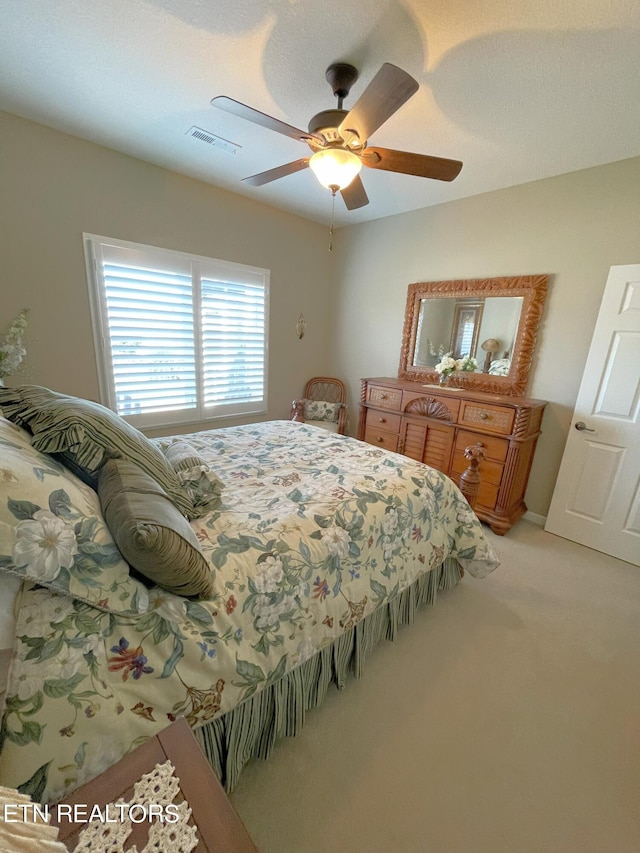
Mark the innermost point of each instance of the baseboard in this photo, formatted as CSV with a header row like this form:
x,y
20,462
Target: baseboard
x,y
535,518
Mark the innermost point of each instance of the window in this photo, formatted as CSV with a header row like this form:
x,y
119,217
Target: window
x,y
466,326
178,338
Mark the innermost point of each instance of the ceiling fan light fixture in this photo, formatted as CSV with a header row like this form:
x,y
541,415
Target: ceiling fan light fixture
x,y
335,168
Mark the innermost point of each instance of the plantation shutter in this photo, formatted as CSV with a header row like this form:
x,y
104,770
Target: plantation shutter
x,y
179,338
233,342
150,316
466,338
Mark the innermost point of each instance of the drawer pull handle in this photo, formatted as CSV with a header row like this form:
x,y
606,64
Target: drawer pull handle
x,y
383,396
380,438
484,416
382,420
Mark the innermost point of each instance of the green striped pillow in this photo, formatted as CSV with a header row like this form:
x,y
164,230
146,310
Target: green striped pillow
x,y
150,532
202,486
84,435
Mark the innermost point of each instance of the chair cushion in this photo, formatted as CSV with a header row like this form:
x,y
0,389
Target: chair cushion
x,y
320,410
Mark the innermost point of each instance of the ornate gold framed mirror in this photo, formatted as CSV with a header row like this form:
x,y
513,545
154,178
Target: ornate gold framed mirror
x,y
494,320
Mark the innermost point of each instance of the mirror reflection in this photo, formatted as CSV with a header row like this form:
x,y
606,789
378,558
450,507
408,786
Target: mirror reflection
x,y
487,317
484,328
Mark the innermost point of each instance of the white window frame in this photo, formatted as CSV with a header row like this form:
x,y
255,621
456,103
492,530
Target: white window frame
x,y
200,267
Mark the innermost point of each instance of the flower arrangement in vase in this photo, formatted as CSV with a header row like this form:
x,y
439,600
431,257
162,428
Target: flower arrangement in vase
x,y
448,365
12,349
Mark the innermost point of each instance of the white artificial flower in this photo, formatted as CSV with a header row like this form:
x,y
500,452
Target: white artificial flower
x,y
337,540
12,350
45,544
467,363
446,363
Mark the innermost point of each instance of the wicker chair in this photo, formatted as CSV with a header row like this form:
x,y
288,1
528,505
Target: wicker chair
x,y
323,404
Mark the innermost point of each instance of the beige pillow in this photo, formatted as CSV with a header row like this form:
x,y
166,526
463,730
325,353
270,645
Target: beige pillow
x,y
152,535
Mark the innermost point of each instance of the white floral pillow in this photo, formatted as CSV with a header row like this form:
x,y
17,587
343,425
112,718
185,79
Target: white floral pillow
x,y
52,530
318,410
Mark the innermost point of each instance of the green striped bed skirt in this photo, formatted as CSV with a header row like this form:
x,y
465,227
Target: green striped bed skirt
x,y
252,728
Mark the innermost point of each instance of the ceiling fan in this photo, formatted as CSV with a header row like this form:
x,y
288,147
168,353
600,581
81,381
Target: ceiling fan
x,y
338,138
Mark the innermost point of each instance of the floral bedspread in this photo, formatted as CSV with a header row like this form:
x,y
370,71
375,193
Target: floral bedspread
x,y
313,532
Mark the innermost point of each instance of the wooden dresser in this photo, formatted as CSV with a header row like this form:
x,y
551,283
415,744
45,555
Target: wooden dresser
x,y
435,425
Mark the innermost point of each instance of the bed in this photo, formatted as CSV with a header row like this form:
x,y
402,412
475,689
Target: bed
x,y
303,549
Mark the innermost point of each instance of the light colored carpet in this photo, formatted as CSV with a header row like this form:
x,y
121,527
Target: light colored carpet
x,y
507,718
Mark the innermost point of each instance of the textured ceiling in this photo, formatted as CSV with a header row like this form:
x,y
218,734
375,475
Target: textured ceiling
x,y
516,90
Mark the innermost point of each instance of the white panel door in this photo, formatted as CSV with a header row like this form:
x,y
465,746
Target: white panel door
x,y
596,500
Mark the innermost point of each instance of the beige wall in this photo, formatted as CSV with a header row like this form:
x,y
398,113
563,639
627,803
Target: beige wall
x,y
573,227
54,187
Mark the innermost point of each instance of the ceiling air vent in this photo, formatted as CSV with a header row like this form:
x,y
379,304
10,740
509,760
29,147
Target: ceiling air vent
x,y
213,140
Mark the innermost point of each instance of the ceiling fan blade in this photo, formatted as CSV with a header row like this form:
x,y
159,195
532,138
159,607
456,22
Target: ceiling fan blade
x,y
354,195
385,94
243,111
421,165
279,172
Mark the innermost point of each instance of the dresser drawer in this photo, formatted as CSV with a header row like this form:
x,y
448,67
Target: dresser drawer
x,y
383,420
383,397
430,405
487,417
494,447
435,425
381,438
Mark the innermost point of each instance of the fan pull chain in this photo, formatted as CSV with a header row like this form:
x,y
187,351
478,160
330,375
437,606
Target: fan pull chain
x,y
333,210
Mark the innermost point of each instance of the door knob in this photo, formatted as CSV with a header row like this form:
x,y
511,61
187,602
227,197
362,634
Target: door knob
x,y
582,427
